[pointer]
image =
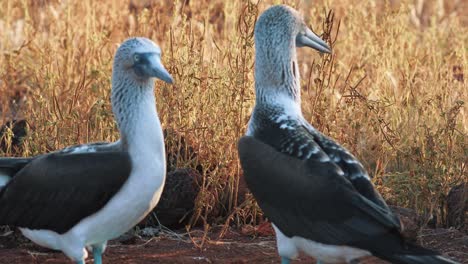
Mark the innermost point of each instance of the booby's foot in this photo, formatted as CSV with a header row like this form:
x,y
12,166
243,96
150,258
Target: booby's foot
x,y
97,255
285,260
80,262
97,252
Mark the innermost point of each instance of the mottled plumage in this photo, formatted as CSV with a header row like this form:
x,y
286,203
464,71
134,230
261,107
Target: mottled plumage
x,y
318,196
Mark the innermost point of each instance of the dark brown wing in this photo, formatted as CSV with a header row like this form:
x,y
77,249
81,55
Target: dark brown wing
x,y
312,199
55,191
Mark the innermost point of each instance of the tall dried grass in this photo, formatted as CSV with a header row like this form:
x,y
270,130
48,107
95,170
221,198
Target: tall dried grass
x,y
393,91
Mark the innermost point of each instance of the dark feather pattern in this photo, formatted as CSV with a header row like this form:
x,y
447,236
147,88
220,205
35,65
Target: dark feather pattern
x,y
351,167
291,193
285,134
55,191
299,139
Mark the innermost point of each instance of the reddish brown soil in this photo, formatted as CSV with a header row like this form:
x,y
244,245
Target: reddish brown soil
x,y
235,247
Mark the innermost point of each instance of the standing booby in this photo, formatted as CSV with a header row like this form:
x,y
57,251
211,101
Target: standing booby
x,y
84,195
318,197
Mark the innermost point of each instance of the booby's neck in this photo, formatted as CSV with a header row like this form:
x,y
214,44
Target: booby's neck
x,y
277,72
134,107
277,86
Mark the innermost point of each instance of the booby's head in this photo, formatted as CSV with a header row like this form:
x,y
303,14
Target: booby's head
x,y
140,58
136,63
281,27
278,32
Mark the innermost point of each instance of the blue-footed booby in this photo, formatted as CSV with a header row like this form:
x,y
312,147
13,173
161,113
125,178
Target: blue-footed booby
x,y
317,195
82,196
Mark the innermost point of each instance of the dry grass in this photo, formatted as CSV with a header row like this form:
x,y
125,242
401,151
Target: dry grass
x,y
393,91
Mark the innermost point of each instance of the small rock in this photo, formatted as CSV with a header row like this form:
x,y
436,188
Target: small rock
x,y
129,238
149,232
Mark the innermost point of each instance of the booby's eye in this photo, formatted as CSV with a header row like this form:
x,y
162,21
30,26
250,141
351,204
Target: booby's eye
x,y
136,57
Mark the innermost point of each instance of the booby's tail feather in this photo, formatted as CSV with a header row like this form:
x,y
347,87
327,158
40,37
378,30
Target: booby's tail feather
x,y
414,254
417,259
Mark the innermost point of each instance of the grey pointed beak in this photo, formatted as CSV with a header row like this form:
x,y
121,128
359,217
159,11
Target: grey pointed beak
x,y
310,39
157,70
149,65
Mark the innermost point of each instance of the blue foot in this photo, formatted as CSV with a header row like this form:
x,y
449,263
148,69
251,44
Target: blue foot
x,y
97,252
285,260
80,262
97,255
318,262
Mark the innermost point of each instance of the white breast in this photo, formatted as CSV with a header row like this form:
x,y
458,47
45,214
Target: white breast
x,y
142,190
137,197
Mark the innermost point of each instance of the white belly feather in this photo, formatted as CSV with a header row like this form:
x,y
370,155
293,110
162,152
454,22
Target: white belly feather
x,y
131,204
290,247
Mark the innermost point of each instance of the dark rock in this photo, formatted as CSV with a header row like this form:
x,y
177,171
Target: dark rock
x,y
177,202
410,221
457,206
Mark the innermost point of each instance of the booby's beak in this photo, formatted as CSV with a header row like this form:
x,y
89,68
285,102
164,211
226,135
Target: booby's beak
x,y
149,65
310,39
158,70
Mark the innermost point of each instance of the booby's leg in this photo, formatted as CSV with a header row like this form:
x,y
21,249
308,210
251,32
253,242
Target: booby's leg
x,y
318,262
285,260
98,249
80,262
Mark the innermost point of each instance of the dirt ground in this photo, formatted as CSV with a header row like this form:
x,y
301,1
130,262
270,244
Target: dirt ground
x,y
235,247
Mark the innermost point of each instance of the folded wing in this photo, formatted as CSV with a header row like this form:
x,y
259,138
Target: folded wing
x,y
55,191
312,199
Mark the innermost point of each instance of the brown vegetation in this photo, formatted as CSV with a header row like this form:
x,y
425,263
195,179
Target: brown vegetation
x,y
393,92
